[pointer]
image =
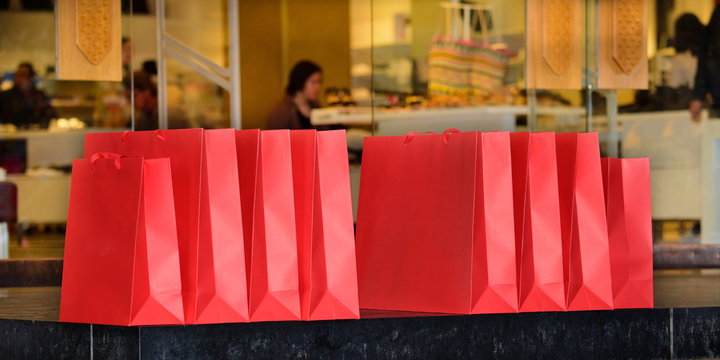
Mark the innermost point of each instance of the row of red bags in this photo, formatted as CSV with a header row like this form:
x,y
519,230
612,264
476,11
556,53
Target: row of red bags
x,y
209,226
502,222
261,227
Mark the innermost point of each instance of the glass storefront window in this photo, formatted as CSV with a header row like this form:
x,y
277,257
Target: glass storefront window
x,y
382,61
425,78
193,101
439,64
37,151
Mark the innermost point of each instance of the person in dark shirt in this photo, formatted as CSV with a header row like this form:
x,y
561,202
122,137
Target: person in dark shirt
x,y
146,102
301,95
144,91
707,77
24,105
687,46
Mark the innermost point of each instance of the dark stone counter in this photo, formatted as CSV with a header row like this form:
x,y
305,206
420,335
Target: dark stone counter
x,y
619,334
605,334
685,324
674,329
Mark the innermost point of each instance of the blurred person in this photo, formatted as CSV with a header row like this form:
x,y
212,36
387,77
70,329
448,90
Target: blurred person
x,y
144,91
707,78
150,67
24,105
687,45
127,49
112,109
301,95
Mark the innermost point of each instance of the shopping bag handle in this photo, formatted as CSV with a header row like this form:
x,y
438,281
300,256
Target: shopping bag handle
x,y
447,132
105,155
411,135
446,135
158,134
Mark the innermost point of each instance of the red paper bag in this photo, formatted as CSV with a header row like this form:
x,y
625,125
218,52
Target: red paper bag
x,y
537,222
121,263
207,206
324,222
266,186
627,195
434,226
494,264
586,257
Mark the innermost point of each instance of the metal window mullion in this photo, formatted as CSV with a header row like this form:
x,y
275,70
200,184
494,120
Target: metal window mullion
x,y
192,58
217,80
171,40
613,141
162,68
234,64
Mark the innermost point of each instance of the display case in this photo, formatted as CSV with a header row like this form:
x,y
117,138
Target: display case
x,y
565,73
400,60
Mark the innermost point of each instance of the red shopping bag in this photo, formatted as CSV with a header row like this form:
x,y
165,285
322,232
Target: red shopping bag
x,y
627,195
207,206
537,222
586,257
266,186
434,226
494,266
121,264
324,222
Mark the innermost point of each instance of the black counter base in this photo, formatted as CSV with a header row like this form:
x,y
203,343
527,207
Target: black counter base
x,y
620,334
685,325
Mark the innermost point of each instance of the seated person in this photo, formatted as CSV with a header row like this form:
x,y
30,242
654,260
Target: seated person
x,y
144,91
145,112
24,105
688,30
301,95
708,69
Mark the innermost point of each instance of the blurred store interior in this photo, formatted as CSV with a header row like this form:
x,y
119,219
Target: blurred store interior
x,y
374,58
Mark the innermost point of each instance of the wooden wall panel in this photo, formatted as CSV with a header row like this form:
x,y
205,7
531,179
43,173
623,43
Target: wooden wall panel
x,y
318,30
261,74
554,44
88,42
622,44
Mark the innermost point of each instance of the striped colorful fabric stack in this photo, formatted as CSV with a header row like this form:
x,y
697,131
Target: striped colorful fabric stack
x,y
449,67
487,68
461,67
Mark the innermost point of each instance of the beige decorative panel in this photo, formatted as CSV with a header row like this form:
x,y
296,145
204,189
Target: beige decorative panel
x,y
556,32
628,34
92,29
554,44
622,44
88,43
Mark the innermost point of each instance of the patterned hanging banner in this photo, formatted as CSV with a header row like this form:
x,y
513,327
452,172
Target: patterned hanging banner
x,y
93,29
557,34
628,34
